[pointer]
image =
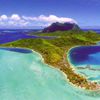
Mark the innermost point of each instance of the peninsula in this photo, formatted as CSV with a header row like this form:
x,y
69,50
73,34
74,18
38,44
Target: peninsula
x,y
55,50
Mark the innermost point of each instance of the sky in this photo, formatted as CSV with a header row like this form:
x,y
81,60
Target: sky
x,y
37,13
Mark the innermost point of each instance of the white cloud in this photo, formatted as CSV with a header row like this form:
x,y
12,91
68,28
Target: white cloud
x,y
20,21
15,17
50,18
53,18
30,18
3,17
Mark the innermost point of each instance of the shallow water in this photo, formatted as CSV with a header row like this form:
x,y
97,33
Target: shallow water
x,y
88,58
24,76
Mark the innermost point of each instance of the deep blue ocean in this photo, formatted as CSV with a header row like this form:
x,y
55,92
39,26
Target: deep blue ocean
x,y
85,55
95,30
9,35
86,59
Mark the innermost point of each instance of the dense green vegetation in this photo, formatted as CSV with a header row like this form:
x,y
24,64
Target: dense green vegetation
x,y
54,50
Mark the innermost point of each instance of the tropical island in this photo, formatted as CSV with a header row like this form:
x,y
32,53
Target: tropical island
x,y
55,50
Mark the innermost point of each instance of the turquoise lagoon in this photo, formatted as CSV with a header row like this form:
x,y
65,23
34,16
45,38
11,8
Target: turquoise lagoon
x,y
86,59
24,76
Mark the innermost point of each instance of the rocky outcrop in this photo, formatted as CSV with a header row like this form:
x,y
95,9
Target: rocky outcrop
x,y
61,27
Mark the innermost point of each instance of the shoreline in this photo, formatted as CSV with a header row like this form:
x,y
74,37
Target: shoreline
x,y
65,75
72,66
64,68
57,58
61,72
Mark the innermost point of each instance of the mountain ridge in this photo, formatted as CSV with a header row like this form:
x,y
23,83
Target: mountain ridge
x,y
57,26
